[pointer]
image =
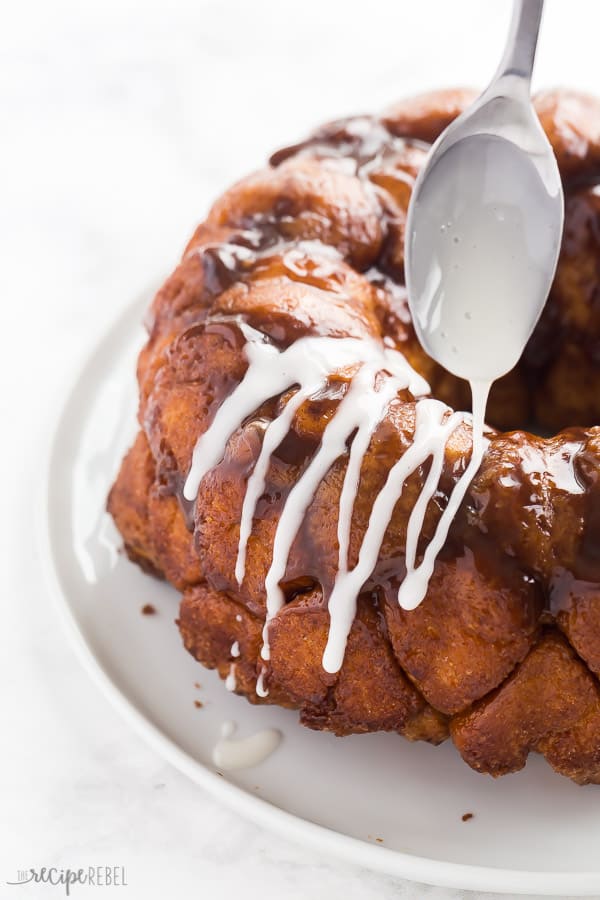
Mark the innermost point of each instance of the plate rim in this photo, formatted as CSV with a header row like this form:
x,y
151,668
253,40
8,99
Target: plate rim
x,y
320,838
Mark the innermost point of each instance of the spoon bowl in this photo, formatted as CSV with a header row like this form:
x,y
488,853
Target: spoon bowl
x,y
484,229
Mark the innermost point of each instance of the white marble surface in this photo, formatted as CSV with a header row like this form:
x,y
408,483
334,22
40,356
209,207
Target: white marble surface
x,y
121,119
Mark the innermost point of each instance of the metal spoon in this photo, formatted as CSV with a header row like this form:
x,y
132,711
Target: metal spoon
x,y
485,222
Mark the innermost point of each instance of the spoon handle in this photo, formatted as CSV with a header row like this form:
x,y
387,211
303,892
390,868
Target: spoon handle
x,y
519,53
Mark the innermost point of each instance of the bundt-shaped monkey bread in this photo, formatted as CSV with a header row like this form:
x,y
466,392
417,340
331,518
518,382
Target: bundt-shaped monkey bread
x,y
243,490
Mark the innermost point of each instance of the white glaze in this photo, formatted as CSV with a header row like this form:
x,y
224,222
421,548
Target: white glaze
x,y
261,689
307,362
414,587
231,680
377,374
480,256
434,425
273,436
235,649
372,408
231,753
353,412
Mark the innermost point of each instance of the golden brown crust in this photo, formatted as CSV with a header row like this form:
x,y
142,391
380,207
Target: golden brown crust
x,y
426,115
505,648
303,199
564,350
476,623
210,623
551,704
128,505
370,693
150,520
571,121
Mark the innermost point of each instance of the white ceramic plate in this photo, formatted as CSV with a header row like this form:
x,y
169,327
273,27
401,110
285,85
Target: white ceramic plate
x,y
530,833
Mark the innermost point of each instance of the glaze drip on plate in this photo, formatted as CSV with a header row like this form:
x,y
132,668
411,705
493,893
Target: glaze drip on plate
x,y
376,375
232,753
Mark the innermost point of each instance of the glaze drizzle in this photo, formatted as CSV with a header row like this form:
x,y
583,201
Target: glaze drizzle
x,y
377,374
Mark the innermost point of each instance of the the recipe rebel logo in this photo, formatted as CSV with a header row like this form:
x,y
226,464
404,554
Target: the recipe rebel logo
x,y
91,876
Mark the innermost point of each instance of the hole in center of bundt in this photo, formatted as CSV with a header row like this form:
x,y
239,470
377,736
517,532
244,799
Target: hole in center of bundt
x,y
541,400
